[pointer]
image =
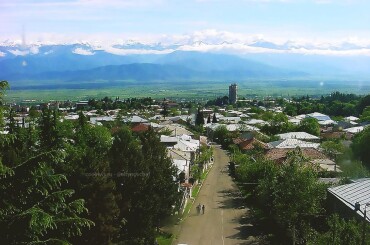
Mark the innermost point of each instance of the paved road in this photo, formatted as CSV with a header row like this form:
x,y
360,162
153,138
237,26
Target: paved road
x,y
225,221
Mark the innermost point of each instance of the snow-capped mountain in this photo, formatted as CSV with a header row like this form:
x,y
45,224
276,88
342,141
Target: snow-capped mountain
x,y
225,54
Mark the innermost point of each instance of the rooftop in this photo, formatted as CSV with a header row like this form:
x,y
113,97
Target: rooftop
x,y
351,193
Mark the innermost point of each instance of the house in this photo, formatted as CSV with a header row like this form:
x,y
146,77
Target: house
x,y
336,135
168,141
250,144
354,130
351,119
342,199
99,120
292,143
135,119
182,160
279,155
140,127
256,121
326,165
176,129
319,116
230,119
299,136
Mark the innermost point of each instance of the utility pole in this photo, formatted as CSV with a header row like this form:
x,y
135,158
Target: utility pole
x,y
364,225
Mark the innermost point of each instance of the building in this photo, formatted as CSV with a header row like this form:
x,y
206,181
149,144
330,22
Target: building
x,y
342,199
233,97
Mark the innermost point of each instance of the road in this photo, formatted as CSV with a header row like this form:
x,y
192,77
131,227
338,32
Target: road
x,y
225,221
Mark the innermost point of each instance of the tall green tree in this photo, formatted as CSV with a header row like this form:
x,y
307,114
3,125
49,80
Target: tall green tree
x,y
88,170
199,118
147,181
48,129
214,119
361,146
130,174
309,125
297,181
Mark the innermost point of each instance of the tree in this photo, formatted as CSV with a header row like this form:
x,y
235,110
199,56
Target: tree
x,y
214,119
278,123
297,181
12,124
364,102
88,170
340,232
196,172
3,87
147,184
165,111
222,136
332,148
291,109
82,120
199,119
33,206
365,116
161,189
310,125
361,146
48,129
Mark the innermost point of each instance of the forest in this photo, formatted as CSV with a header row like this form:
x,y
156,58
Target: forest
x,y
64,182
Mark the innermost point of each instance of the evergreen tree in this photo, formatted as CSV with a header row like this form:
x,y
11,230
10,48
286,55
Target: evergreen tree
x,y
162,187
48,129
147,181
33,206
214,119
199,120
87,168
130,176
12,124
82,120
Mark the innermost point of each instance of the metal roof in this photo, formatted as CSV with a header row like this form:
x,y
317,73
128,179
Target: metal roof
x,y
293,143
298,135
319,116
351,193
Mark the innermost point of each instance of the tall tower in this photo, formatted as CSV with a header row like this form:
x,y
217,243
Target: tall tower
x,y
233,97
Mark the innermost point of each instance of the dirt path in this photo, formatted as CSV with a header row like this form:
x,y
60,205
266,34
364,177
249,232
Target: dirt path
x,y
225,220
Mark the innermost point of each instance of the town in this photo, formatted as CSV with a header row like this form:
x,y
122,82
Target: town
x,y
298,168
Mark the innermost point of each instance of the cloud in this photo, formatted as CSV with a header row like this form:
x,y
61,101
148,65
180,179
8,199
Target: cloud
x,y
18,52
34,50
49,52
209,40
82,51
2,54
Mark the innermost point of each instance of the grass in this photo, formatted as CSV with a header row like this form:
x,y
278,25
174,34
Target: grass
x,y
165,238
197,90
195,191
188,206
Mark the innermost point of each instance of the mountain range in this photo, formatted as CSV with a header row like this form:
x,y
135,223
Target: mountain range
x,y
135,61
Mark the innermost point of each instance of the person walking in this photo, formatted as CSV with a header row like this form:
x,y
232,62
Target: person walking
x,y
198,208
203,208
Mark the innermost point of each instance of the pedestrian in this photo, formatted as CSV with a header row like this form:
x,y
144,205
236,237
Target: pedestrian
x,y
203,208
198,208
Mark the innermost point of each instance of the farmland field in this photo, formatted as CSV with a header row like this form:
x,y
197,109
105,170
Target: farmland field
x,y
197,90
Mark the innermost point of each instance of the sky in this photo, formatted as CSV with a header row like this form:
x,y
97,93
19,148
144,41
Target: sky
x,y
326,19
318,26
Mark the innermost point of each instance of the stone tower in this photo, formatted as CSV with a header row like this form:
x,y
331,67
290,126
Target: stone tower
x,y
233,97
